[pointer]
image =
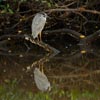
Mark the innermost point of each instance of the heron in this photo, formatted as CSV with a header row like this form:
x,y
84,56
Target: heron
x,y
41,80
38,24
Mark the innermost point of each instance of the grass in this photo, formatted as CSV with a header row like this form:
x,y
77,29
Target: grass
x,y
10,91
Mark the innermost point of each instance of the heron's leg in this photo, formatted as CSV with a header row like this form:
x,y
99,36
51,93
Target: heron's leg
x,y
39,67
42,68
38,38
40,34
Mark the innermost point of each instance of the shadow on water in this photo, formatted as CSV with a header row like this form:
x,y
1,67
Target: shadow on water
x,y
73,75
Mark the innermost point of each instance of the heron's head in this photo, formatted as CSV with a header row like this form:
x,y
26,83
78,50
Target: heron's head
x,y
43,14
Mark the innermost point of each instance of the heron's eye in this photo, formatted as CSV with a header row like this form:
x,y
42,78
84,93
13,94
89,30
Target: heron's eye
x,y
44,15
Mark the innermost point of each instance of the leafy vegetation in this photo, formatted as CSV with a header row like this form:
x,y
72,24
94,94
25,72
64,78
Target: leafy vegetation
x,y
10,91
6,9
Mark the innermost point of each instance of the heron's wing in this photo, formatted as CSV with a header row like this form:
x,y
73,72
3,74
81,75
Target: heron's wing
x,y
38,73
41,80
37,25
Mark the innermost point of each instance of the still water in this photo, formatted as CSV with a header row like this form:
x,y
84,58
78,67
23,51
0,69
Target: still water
x,y
73,74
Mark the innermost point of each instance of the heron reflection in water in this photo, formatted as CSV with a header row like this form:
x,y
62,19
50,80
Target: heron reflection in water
x,y
41,80
38,24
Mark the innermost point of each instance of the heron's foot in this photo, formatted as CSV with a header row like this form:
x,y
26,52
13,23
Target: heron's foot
x,y
39,40
42,69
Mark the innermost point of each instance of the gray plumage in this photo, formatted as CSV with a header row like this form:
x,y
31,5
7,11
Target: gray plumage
x,y
41,80
38,24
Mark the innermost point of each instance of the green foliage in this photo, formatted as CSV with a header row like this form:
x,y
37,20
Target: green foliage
x,y
87,95
42,96
20,0
1,1
10,91
75,95
49,3
6,9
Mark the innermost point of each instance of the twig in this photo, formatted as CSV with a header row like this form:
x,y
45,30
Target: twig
x,y
80,9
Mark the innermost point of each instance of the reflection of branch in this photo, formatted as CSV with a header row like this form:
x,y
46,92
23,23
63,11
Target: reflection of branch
x,y
40,61
76,75
52,52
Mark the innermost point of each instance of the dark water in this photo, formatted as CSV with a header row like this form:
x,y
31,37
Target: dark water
x,y
71,71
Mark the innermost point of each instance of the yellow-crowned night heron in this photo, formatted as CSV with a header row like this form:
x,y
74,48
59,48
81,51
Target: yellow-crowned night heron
x,y
38,23
41,80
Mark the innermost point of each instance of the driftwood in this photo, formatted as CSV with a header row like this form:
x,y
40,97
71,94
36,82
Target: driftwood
x,y
41,44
